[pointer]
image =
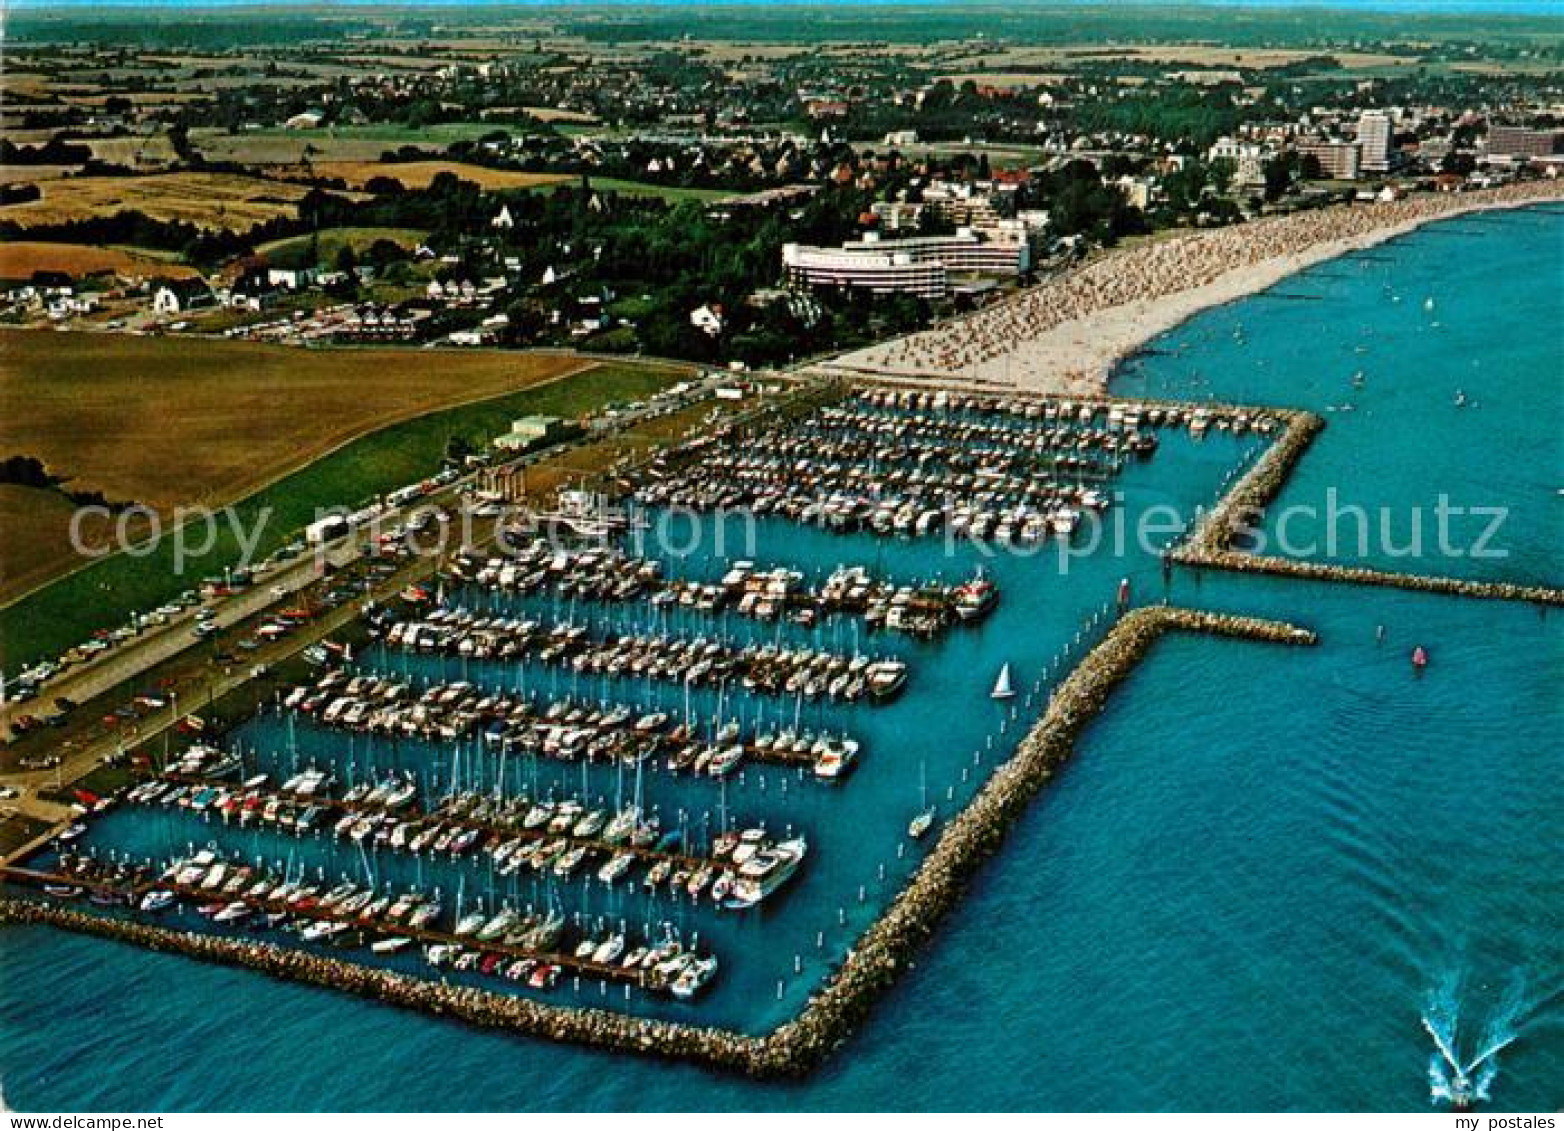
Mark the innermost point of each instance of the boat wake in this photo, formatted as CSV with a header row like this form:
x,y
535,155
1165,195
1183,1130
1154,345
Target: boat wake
x,y
1458,1080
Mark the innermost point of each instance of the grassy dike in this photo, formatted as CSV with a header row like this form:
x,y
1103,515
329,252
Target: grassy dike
x,y
102,595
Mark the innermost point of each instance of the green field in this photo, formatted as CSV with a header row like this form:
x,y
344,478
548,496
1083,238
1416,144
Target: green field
x,y
280,146
295,250
51,620
672,194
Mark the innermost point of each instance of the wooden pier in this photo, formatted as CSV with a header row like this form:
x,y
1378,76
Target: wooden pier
x,y
131,895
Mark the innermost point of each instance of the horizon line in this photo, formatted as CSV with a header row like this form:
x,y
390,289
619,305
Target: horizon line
x,y
1537,8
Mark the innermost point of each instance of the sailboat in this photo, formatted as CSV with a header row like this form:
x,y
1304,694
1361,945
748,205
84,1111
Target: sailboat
x,y
1002,686
924,821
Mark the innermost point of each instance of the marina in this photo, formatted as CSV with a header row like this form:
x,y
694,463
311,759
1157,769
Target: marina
x,y
562,729
461,711
595,736
911,463
793,1048
600,574
467,634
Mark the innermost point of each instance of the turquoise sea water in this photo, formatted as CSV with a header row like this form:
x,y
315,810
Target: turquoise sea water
x,y
1473,307
1242,893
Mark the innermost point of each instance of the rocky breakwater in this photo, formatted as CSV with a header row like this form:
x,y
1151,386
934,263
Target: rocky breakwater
x,y
889,946
596,1028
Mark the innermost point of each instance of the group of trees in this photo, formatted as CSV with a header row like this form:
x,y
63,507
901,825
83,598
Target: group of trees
x,y
58,150
1191,116
29,471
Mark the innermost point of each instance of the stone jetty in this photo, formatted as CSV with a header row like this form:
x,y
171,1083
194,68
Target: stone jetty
x,y
889,946
596,1028
1211,542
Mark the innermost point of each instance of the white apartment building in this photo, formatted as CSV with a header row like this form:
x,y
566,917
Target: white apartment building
x,y
919,265
1374,136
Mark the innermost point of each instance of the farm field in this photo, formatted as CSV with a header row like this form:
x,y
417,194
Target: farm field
x,y
671,193
1194,55
32,174
210,200
178,421
20,259
418,174
135,152
37,544
550,114
279,146
49,619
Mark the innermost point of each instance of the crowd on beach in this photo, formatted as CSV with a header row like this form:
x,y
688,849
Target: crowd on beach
x,y
992,344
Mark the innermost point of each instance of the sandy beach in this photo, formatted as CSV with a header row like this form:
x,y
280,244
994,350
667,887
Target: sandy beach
x,y
1066,334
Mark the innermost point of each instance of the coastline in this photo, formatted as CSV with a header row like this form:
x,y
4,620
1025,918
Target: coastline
x,y
1025,344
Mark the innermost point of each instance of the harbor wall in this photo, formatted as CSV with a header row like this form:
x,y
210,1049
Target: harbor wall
x,y
1210,544
890,944
595,1028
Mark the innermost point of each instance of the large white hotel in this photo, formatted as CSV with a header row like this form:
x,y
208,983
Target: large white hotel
x,y
917,265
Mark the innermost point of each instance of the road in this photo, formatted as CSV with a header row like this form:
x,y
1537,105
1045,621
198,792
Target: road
x,y
78,761
133,659
129,660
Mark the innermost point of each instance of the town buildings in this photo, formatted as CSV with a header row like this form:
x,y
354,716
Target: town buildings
x,y
1511,142
1338,160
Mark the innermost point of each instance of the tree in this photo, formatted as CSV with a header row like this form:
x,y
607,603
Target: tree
x,y
383,253
1278,175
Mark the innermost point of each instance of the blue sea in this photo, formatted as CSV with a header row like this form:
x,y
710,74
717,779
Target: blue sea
x,y
1262,871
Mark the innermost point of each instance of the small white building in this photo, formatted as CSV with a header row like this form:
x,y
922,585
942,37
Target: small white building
x,y
708,319
177,296
294,278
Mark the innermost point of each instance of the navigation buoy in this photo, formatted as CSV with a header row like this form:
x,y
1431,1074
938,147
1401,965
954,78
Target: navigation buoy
x,y
1419,658
1124,593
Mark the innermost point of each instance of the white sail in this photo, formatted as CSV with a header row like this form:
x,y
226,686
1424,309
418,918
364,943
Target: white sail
x,y
1002,687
